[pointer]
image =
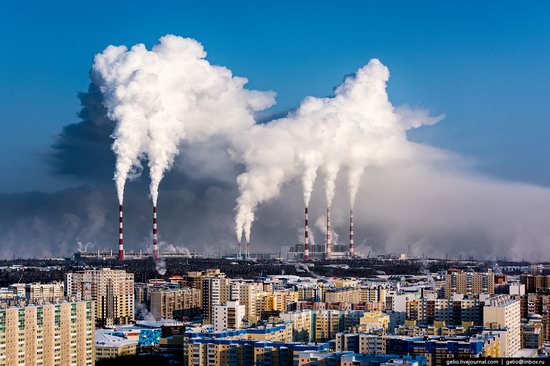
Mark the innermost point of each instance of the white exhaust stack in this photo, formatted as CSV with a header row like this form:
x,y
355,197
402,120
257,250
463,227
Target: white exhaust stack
x,y
306,237
120,235
328,248
247,250
155,235
351,235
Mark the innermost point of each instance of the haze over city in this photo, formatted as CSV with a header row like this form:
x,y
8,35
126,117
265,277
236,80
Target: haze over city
x,y
431,122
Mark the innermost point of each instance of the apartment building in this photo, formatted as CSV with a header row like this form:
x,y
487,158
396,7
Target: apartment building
x,y
244,352
228,316
215,290
535,283
539,303
503,312
374,320
111,289
175,303
48,335
35,293
245,293
454,311
303,327
469,282
437,349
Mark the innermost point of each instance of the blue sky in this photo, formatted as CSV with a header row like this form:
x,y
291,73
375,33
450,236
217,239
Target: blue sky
x,y
484,64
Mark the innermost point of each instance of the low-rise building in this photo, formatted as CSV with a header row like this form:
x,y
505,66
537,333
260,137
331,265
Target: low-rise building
x,y
110,346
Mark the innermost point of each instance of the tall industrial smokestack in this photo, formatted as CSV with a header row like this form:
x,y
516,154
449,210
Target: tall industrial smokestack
x,y
351,235
120,235
155,235
306,236
328,248
247,250
240,250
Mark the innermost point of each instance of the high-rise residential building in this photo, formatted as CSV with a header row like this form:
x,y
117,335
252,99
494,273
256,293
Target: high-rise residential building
x,y
192,279
371,344
303,328
371,294
531,332
229,316
343,294
306,358
354,294
536,282
142,294
111,289
437,349
539,303
215,290
329,322
411,329
502,312
455,311
245,293
275,301
309,292
35,293
374,320
47,335
175,303
200,351
469,282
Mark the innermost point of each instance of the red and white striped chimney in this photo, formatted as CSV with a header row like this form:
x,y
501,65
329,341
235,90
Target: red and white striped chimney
x,y
328,248
120,235
155,235
306,237
351,235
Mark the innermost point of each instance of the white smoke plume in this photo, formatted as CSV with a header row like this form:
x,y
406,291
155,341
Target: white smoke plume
x,y
142,313
311,161
160,266
356,128
163,97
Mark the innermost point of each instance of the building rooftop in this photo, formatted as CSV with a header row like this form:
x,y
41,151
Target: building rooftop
x,y
103,339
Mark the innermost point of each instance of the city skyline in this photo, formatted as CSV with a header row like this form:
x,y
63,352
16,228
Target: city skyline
x,y
478,186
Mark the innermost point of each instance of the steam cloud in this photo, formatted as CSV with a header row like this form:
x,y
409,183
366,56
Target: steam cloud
x,y
355,128
171,94
164,97
414,194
